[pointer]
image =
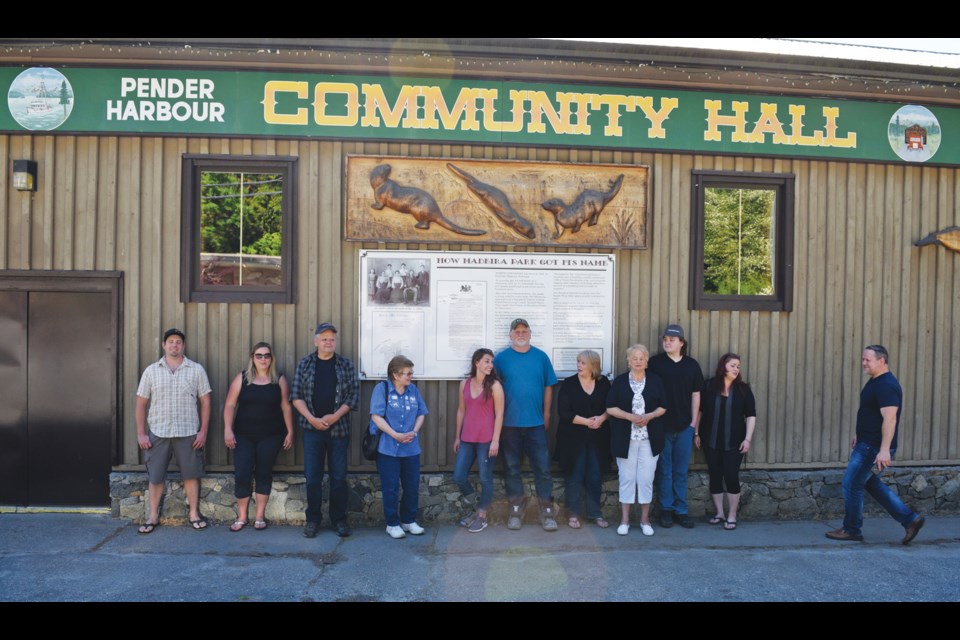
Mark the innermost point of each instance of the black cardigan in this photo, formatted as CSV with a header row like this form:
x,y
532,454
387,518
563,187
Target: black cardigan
x,y
621,396
572,401
743,405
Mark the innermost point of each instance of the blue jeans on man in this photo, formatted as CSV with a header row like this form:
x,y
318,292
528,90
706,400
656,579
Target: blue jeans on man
x,y
859,476
461,470
672,468
516,441
319,446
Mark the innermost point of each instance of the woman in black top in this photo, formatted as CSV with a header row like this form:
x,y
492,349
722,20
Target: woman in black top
x,y
726,428
257,422
583,437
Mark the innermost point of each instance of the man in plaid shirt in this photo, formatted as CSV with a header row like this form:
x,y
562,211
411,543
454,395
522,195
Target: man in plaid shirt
x,y
324,391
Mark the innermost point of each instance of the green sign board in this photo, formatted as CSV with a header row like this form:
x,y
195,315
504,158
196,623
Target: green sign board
x,y
279,104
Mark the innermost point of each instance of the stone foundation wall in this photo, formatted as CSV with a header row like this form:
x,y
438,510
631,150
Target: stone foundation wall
x,y
765,495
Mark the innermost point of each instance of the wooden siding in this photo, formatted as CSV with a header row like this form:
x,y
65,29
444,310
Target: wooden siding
x,y
113,203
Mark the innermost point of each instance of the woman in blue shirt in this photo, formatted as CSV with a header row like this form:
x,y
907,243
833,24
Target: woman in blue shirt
x,y
398,410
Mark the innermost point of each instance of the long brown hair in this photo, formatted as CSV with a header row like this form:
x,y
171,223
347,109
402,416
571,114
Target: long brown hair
x,y
490,379
716,384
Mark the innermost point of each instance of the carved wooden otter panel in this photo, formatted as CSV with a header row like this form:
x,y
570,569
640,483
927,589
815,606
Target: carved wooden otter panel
x,y
403,199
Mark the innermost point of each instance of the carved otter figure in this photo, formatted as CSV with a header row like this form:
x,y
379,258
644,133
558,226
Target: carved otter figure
x,y
586,208
416,202
497,202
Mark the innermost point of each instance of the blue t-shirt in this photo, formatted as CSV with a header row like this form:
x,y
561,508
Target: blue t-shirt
x,y
882,391
524,377
401,412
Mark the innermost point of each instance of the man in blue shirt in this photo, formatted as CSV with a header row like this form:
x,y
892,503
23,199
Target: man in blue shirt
x,y
873,447
528,378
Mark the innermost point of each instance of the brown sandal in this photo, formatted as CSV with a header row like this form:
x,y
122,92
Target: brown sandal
x,y
574,522
603,524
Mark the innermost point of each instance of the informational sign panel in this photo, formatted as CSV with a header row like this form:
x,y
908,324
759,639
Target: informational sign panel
x,y
438,307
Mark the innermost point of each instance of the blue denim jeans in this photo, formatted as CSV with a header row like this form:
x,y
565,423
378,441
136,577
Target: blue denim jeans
x,y
317,447
585,473
860,476
672,470
516,441
461,470
396,474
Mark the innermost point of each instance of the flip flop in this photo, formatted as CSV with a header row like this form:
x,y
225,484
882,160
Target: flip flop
x,y
199,524
574,522
729,526
148,527
260,525
238,525
603,524
716,520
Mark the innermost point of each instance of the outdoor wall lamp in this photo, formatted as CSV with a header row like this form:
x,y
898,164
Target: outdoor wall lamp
x,y
25,175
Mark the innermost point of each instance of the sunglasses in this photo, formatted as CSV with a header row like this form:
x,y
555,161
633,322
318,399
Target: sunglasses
x,y
263,356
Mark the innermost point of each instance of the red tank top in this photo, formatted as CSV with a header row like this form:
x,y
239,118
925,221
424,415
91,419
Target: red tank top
x,y
478,417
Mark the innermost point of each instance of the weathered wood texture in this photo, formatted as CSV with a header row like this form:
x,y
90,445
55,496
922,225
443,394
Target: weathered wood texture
x,y
112,202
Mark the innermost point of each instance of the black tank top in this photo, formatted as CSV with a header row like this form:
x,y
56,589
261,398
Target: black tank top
x,y
258,411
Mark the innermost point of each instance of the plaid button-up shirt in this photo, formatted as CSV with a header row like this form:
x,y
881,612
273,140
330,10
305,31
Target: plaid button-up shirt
x,y
173,397
347,392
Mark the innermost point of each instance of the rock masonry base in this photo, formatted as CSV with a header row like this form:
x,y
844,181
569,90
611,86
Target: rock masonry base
x,y
765,495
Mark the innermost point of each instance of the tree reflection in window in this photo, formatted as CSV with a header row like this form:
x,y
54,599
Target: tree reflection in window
x,y
240,228
738,249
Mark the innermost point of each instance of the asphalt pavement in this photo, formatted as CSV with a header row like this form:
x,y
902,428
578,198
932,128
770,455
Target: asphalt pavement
x,y
70,557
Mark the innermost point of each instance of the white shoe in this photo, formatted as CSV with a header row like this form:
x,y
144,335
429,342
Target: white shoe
x,y
413,528
647,529
623,529
396,533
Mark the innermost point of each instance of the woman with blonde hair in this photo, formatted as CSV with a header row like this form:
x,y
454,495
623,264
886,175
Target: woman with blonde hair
x,y
583,437
257,423
635,401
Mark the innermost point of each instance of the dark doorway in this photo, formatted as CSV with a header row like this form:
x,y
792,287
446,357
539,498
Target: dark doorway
x,y
59,358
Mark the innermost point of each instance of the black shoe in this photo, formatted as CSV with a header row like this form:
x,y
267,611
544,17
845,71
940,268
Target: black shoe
x,y
666,519
913,529
683,519
310,530
343,529
843,534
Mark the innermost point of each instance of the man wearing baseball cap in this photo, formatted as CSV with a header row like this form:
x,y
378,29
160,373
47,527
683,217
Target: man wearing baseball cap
x,y
528,378
324,391
683,379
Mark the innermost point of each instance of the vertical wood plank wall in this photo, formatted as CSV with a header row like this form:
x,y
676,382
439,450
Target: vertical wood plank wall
x,y
111,202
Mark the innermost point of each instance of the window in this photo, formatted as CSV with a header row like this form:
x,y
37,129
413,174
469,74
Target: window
x,y
237,219
741,254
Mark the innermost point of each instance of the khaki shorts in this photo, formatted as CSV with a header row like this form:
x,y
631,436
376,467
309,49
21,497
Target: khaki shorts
x,y
157,458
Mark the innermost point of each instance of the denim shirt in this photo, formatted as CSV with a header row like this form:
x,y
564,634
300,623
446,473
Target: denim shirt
x,y
401,412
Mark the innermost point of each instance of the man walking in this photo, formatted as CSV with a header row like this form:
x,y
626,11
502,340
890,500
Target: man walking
x,y
172,388
873,446
324,391
683,380
528,378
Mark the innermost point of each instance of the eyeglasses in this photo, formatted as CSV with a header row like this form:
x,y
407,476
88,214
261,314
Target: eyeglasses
x,y
263,356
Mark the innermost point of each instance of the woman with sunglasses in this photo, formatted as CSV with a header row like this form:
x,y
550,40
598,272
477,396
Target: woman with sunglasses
x,y
257,423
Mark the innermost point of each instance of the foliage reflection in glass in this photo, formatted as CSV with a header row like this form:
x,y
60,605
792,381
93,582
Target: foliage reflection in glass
x,y
738,253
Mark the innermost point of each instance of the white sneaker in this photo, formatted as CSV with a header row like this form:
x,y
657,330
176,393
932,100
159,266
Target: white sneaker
x,y
623,529
396,533
647,529
413,528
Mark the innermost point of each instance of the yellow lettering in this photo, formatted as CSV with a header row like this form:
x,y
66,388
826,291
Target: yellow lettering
x,y
270,90
375,101
489,111
831,139
582,100
738,121
796,129
465,107
768,123
540,106
320,92
613,103
656,118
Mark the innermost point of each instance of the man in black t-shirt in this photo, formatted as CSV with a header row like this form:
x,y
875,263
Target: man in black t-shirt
x,y
682,380
873,447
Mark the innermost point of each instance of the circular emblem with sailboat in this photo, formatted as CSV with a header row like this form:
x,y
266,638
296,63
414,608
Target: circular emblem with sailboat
x,y
914,133
40,99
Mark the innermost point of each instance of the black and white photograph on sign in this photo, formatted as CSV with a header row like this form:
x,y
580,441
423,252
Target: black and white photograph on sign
x,y
393,282
451,303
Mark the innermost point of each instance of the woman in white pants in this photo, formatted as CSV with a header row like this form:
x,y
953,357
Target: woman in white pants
x,y
634,403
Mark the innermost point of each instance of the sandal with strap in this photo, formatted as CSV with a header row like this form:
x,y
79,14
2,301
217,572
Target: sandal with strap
x,y
574,522
238,525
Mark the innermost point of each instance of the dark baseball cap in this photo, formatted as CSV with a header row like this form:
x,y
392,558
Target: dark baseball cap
x,y
325,326
173,332
518,322
674,330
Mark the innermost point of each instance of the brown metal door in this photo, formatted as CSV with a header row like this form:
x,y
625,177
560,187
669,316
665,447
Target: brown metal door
x,y
13,397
